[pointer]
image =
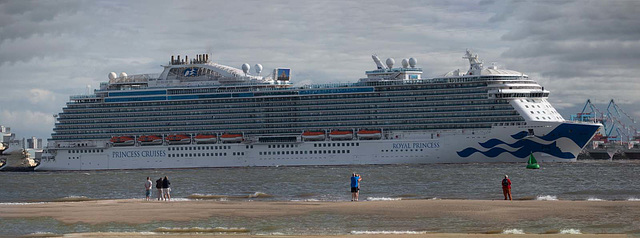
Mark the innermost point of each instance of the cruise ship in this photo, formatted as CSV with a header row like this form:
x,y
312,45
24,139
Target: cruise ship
x,y
199,113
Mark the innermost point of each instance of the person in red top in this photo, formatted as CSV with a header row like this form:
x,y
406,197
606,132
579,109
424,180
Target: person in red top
x,y
506,187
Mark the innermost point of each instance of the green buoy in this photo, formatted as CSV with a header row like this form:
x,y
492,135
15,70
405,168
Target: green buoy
x,y
532,163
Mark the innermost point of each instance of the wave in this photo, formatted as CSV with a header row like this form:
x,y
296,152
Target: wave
x,y
386,232
594,199
260,195
206,196
20,203
382,199
74,199
546,198
224,197
202,229
570,231
513,231
42,234
306,200
633,199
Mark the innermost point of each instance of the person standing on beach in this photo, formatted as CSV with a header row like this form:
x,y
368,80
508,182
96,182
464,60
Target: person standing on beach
x,y
506,187
355,186
159,187
147,188
166,189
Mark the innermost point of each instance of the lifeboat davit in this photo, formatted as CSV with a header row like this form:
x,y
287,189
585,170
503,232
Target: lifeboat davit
x,y
150,140
206,139
123,140
231,138
370,134
341,135
178,139
313,135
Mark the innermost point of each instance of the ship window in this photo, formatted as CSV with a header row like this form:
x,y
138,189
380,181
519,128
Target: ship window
x,y
357,144
348,151
526,106
532,112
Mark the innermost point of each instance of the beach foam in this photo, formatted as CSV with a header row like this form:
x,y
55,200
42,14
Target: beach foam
x,y
513,231
570,231
202,229
382,199
594,199
20,203
633,199
386,232
42,234
74,199
546,198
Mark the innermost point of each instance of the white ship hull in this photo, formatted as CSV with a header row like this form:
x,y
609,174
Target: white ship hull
x,y
550,142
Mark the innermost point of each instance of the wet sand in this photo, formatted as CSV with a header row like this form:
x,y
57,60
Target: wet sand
x,y
138,212
430,235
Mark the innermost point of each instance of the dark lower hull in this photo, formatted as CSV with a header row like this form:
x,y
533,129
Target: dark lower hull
x,y
632,155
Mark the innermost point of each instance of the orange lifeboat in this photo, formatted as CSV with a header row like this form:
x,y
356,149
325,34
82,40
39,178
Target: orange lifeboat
x,y
313,135
123,140
178,139
150,140
206,139
370,134
231,138
341,135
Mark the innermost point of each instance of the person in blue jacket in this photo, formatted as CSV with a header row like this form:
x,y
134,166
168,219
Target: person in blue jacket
x,y
355,186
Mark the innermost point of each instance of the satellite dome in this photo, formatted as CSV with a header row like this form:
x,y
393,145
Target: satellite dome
x,y
123,75
112,75
390,62
412,62
245,68
405,63
258,68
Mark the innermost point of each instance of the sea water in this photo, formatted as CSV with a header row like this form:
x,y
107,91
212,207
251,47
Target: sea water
x,y
583,180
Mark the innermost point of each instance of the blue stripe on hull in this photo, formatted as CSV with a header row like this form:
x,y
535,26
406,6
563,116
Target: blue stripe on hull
x,y
578,133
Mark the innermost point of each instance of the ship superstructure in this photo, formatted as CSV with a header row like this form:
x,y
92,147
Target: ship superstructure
x,y
198,113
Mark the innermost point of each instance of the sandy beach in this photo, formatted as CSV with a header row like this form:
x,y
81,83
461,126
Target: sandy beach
x,y
492,212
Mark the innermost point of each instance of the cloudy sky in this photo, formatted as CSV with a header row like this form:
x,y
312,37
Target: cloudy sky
x,y
50,50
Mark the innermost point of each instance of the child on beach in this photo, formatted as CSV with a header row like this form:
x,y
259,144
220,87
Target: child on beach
x,y
147,188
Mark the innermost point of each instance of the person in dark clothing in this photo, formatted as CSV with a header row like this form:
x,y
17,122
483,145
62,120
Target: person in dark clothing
x,y
166,189
159,187
506,188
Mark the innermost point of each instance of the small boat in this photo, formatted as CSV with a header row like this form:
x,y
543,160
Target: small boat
x,y
150,140
532,163
231,138
123,141
370,134
178,139
206,139
341,135
313,135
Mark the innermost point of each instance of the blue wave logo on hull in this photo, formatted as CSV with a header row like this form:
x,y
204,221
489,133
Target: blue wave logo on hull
x,y
578,133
